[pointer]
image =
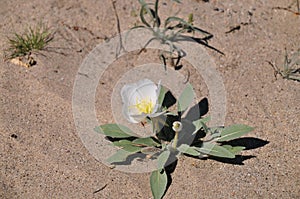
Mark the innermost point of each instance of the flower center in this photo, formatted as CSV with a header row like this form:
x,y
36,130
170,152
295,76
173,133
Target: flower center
x,y
144,106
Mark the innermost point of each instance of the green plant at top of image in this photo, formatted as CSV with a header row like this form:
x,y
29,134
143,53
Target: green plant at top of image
x,y
34,39
170,31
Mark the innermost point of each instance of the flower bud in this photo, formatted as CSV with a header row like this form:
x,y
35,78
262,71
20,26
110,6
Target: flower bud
x,y
177,126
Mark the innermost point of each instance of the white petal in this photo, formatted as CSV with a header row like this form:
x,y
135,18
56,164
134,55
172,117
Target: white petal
x,y
139,117
131,93
143,115
147,89
128,116
126,91
144,82
126,94
158,89
155,108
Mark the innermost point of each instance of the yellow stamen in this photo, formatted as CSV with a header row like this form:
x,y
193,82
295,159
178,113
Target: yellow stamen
x,y
144,106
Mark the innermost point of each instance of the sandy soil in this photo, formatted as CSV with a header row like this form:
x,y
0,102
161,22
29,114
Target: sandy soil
x,y
43,157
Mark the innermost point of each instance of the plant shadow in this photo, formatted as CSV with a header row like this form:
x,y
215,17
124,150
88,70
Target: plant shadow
x,y
130,158
247,142
198,110
238,160
169,100
169,170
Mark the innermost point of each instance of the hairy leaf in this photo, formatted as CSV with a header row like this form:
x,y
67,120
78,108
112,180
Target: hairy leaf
x,y
186,149
162,94
158,182
150,150
201,123
215,150
162,159
127,145
119,156
234,149
234,131
186,98
114,131
148,141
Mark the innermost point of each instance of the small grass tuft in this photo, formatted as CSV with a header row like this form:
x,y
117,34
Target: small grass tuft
x,y
290,68
31,41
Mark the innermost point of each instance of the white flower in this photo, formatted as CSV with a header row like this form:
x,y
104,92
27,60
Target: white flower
x,y
177,126
140,100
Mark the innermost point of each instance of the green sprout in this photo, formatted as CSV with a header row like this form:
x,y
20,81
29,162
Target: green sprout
x,y
291,67
173,29
31,41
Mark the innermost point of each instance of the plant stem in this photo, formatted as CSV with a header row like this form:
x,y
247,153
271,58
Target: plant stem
x,y
175,140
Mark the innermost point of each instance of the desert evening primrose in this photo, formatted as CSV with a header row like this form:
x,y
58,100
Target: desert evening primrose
x,y
140,100
172,136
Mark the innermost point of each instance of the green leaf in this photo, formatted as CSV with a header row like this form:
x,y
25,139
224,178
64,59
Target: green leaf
x,y
161,96
114,131
186,98
177,19
150,150
162,159
234,149
157,19
148,141
127,145
234,131
190,18
186,25
158,182
145,7
119,156
215,150
293,77
215,132
186,149
201,123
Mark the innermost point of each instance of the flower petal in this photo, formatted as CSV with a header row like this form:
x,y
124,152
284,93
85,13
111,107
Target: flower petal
x,y
128,116
143,90
127,91
147,89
